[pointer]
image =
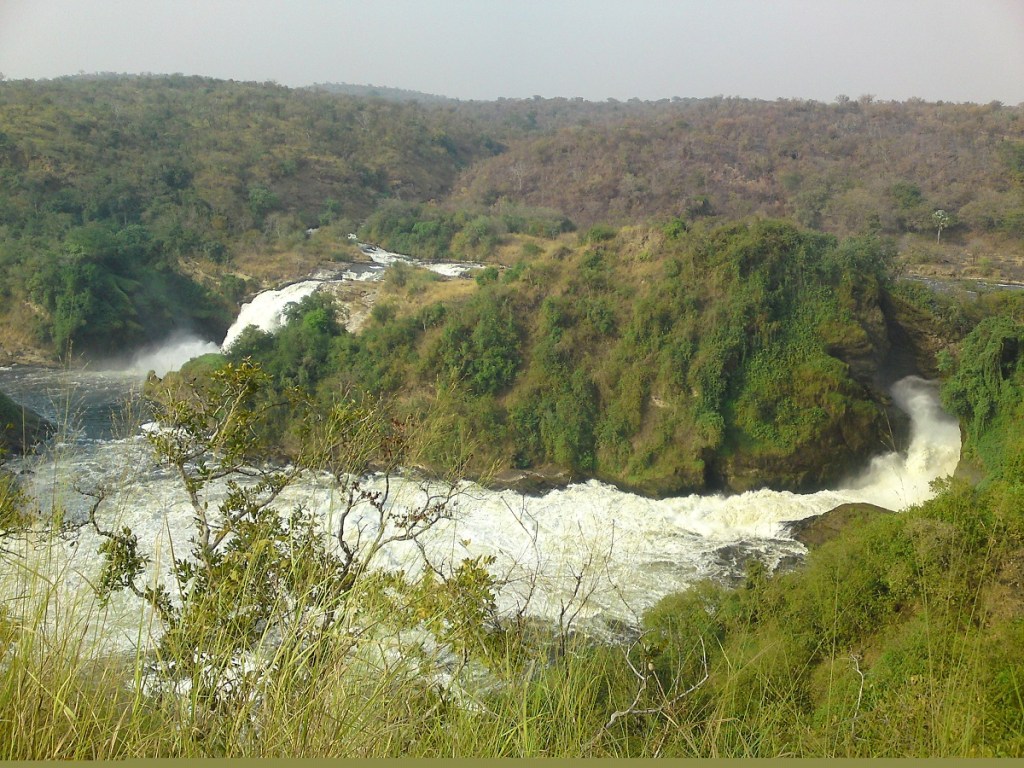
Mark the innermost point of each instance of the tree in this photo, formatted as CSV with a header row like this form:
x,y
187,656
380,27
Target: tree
x,y
941,219
482,348
255,574
261,201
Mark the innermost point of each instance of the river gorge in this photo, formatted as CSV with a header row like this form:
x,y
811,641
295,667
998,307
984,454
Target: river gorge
x,y
602,554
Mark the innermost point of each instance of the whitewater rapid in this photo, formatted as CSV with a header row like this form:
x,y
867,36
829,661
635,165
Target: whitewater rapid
x,y
588,549
627,551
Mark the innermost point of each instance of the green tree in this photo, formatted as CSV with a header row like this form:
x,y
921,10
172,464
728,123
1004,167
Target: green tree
x,y
261,201
941,220
255,572
482,347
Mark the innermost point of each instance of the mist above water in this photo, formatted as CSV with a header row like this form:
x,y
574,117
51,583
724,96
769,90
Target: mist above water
x,y
171,354
896,480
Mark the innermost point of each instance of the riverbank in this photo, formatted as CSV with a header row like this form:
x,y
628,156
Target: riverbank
x,y
23,354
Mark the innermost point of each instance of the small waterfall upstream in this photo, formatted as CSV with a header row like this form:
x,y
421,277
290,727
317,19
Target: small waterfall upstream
x,y
267,310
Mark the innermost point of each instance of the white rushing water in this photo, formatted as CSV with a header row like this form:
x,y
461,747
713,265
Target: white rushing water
x,y
588,546
267,310
448,269
634,550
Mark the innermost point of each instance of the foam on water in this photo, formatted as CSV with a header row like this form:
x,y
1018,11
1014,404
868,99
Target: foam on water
x,y
448,269
897,480
451,270
588,546
636,550
266,311
363,273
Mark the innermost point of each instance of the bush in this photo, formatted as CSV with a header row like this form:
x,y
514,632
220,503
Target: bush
x,y
479,346
600,233
986,390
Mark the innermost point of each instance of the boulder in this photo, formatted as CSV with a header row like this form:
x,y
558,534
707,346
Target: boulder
x,y
20,428
816,530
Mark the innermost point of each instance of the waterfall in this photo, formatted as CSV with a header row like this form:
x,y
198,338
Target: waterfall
x,y
267,310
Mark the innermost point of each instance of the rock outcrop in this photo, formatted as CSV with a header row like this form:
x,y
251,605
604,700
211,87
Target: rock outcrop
x,y
20,428
816,530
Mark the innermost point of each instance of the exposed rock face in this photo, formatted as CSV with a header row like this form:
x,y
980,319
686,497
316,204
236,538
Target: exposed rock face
x,y
864,354
17,352
355,300
816,530
846,444
915,345
20,429
534,482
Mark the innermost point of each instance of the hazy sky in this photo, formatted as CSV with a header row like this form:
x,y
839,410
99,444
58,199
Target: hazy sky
x,y
951,50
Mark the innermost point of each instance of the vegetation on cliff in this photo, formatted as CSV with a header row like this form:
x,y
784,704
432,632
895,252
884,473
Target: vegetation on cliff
x,y
985,389
665,359
123,199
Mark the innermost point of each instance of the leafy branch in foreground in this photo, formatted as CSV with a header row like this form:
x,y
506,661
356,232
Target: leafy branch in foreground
x,y
254,574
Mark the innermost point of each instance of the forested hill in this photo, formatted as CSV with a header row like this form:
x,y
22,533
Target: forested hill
x,y
133,205
106,182
847,167
382,92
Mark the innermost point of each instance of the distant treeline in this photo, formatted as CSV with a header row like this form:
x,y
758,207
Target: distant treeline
x,y
105,180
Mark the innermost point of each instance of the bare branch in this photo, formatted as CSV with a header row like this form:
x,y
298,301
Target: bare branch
x,y
860,691
644,676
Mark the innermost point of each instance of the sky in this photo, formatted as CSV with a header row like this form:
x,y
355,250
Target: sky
x,y
937,50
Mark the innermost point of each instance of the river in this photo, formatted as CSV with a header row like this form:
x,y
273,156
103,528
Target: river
x,y
605,554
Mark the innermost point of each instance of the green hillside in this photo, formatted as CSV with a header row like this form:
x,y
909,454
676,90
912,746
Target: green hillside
x,y
662,359
132,206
